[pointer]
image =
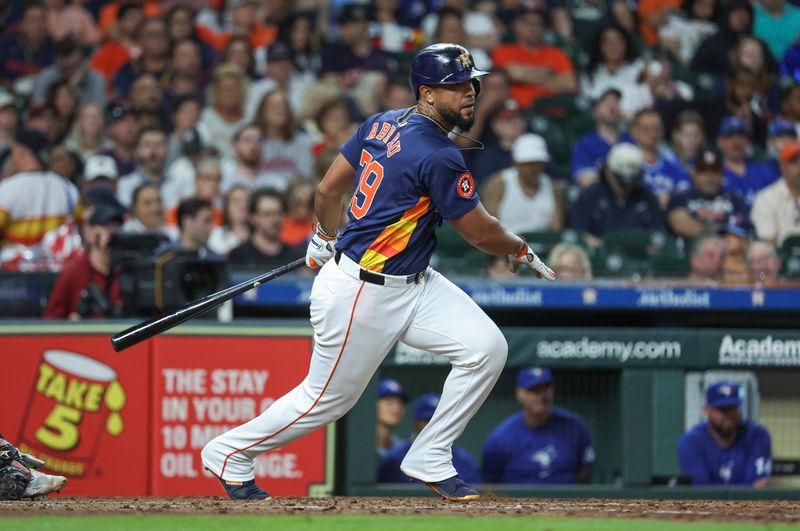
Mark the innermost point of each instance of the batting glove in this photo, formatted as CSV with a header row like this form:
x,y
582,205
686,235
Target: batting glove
x,y
321,248
526,256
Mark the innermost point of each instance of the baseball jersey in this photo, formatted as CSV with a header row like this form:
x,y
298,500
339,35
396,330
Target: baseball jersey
x,y
409,176
746,461
664,177
389,464
756,177
554,453
723,208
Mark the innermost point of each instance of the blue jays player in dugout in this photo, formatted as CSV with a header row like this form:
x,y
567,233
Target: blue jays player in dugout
x,y
375,287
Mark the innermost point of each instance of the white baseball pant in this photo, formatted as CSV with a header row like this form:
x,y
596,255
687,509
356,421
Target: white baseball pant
x,y
355,325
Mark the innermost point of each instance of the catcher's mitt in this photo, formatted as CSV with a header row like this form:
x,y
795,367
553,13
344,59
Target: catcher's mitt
x,y
14,475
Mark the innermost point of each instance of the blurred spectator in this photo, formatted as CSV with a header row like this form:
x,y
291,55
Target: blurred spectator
x,y
390,409
99,171
725,449
154,59
66,163
659,89
66,19
614,65
43,118
688,139
185,115
334,124
63,99
264,249
241,17
224,114
33,201
707,258
147,97
206,185
345,60
88,136
589,153
151,153
705,208
450,28
740,99
286,150
122,121
480,28
507,123
662,176
741,175
180,26
123,46
245,168
712,56
790,103
780,132
523,197
684,30
752,54
147,213
535,69
763,263
281,74
570,262
239,52
389,464
778,23
580,18
619,200
187,76
776,209
386,30
235,228
195,221
25,52
181,175
734,264
9,119
653,14
298,223
89,286
70,67
543,443
299,30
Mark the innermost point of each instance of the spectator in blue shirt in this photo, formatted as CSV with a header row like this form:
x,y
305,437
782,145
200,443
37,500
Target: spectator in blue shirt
x,y
740,175
25,52
725,449
390,410
620,200
779,133
389,464
589,153
543,443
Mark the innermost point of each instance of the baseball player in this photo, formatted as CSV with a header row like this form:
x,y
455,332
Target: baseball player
x,y
726,450
389,464
390,410
375,287
543,443
19,477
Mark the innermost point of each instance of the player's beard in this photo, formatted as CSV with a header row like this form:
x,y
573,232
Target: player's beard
x,y
457,119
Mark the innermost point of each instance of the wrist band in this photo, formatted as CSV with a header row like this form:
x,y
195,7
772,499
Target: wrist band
x,y
523,248
319,230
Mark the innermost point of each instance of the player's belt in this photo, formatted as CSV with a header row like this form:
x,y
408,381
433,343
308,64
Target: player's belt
x,y
353,269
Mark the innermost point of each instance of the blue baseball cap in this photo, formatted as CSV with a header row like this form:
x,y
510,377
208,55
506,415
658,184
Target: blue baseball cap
x,y
391,387
781,126
723,393
732,125
425,406
533,376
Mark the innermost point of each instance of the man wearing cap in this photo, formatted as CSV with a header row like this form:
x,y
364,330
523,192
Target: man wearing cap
x,y
390,409
591,150
282,74
725,449
779,133
389,464
522,197
33,200
740,175
706,208
543,443
122,121
99,170
89,285
620,200
776,209
154,58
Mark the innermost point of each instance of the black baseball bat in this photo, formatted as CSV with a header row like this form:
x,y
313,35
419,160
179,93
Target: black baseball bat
x,y
165,321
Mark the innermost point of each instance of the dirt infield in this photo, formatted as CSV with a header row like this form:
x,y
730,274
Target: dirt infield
x,y
783,512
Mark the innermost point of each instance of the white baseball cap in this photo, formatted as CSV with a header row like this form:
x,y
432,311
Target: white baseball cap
x,y
626,160
529,148
100,166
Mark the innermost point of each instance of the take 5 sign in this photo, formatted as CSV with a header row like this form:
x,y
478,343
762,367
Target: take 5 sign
x,y
133,423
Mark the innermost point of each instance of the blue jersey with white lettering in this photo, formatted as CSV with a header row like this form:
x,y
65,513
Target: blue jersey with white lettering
x,y
554,453
746,461
409,176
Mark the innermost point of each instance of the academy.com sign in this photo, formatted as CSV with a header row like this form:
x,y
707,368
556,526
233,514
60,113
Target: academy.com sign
x,y
622,351
765,351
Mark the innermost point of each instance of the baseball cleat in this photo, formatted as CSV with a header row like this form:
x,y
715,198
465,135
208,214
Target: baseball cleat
x,y
244,490
454,489
42,484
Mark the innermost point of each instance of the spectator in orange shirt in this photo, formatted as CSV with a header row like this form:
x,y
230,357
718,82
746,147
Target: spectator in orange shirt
x,y
245,19
535,69
116,52
652,15
298,223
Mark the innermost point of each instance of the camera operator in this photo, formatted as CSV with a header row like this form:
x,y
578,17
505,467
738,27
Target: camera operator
x,y
88,286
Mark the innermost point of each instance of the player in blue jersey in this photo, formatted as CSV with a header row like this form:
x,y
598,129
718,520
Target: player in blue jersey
x,y
389,412
726,450
543,443
389,464
375,287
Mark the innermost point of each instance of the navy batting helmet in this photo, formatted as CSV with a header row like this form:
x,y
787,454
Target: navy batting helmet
x,y
444,64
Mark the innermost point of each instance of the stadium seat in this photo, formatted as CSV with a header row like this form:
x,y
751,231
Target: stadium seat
x,y
666,266
791,246
454,254
637,243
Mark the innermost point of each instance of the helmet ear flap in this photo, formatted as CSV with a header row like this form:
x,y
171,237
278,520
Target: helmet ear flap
x,y
476,83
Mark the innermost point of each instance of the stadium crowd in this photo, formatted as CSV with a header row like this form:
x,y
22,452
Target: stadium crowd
x,y
210,121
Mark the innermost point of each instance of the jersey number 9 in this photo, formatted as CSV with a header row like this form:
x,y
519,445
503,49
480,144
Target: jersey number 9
x,y
371,177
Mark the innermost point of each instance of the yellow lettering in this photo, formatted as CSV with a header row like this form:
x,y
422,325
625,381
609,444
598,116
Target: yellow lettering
x,y
74,396
56,387
93,397
45,373
60,430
